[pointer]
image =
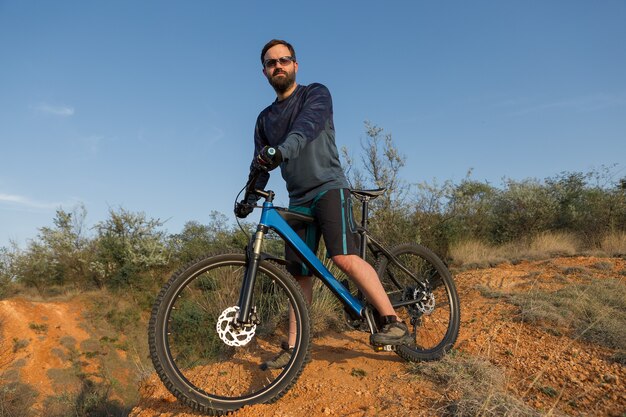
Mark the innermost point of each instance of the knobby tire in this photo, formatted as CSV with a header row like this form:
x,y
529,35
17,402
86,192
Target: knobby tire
x,y
195,364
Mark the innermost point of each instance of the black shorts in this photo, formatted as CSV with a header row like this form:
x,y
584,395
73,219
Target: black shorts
x,y
334,220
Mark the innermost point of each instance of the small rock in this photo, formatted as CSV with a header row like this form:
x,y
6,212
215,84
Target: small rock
x,y
609,378
574,380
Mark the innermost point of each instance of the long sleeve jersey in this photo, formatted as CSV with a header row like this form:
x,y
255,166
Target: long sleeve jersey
x,y
301,127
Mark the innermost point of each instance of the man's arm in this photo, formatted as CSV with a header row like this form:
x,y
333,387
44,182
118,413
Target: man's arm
x,y
311,121
259,142
245,206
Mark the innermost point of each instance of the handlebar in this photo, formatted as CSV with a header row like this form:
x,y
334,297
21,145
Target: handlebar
x,y
244,207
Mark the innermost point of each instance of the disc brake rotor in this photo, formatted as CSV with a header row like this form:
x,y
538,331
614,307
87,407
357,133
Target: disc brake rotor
x,y
231,335
427,305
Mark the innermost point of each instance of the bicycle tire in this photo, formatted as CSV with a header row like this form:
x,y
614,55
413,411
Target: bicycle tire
x,y
434,333
191,359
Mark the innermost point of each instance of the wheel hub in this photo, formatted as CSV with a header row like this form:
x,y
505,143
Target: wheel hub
x,y
229,333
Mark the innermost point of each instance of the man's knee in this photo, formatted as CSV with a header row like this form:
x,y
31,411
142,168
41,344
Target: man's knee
x,y
345,262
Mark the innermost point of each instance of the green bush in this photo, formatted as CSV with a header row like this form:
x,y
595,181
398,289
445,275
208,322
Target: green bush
x,y
60,255
130,251
197,240
522,209
128,247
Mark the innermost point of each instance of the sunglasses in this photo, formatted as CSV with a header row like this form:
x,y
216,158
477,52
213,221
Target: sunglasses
x,y
285,60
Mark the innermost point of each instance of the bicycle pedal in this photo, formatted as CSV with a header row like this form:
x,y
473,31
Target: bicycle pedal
x,y
384,348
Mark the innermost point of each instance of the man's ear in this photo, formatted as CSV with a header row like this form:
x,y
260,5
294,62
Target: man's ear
x,y
264,72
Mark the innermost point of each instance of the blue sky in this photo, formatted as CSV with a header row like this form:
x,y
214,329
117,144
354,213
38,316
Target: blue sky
x,y
150,105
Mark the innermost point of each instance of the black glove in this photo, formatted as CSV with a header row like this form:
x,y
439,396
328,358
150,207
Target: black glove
x,y
245,207
269,158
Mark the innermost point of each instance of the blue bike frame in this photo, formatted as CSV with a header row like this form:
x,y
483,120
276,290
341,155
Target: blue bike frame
x,y
271,219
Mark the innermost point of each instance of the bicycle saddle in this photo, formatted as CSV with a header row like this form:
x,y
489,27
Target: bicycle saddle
x,y
368,194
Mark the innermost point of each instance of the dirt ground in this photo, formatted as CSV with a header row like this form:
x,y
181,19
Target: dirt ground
x,y
41,325
52,348
347,378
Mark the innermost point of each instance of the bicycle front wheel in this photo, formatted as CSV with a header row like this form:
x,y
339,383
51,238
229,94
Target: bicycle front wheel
x,y
434,318
206,362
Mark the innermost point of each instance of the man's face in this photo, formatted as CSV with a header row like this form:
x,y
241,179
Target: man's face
x,y
281,77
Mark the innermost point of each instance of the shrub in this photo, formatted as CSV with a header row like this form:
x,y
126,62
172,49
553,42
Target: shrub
x,y
16,399
58,256
196,240
469,207
91,401
523,208
128,247
7,271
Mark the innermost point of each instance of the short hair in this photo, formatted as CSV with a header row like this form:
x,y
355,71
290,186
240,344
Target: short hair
x,y
273,43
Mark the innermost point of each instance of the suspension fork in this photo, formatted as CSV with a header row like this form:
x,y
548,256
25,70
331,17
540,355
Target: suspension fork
x,y
253,258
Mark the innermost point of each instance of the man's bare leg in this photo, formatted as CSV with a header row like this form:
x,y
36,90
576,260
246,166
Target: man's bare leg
x,y
367,280
306,283
393,331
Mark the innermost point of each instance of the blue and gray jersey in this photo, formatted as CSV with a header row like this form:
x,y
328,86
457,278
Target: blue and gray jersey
x,y
301,127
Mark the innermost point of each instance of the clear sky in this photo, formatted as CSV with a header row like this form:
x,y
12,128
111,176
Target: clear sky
x,y
150,105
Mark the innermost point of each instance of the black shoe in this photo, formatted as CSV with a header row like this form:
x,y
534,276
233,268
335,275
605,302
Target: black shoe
x,y
281,360
395,333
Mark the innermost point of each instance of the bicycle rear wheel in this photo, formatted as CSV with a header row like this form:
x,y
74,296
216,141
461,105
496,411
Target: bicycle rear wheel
x,y
204,361
435,319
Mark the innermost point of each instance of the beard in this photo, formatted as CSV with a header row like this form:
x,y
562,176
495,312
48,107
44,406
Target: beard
x,y
282,84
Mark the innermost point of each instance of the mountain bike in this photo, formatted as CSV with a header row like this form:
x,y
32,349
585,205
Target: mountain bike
x,y
217,319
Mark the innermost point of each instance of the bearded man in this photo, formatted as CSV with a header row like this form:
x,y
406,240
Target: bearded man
x,y
297,133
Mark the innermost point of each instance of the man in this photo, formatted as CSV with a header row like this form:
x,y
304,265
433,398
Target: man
x,y
296,132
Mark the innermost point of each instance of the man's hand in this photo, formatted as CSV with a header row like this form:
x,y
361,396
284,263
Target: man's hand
x,y
243,208
269,158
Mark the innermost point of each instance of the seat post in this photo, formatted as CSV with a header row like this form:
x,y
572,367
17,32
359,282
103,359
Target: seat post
x,y
364,211
364,196
364,218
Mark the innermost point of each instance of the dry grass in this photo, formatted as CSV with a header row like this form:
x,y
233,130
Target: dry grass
x,y
554,244
474,253
326,310
593,311
91,401
16,399
614,244
475,387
